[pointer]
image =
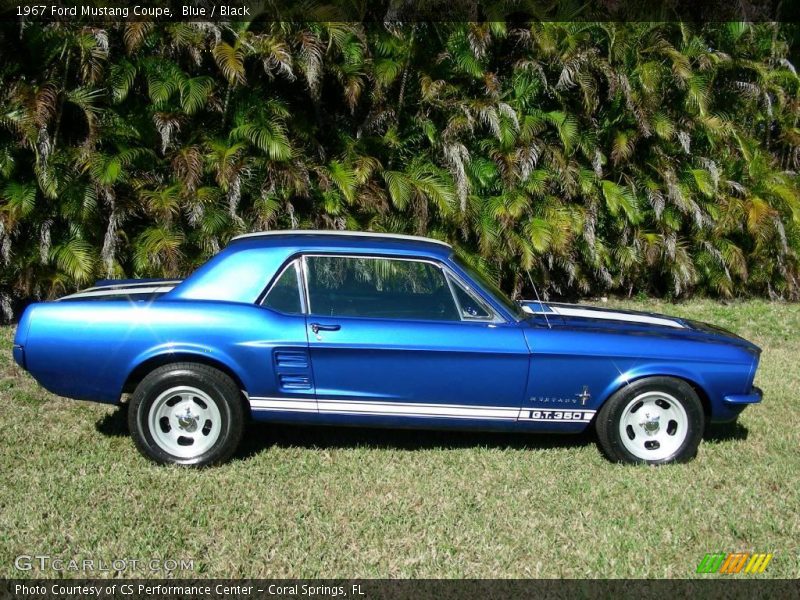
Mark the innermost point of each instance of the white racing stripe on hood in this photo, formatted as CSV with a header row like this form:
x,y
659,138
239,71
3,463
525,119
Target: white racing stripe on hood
x,y
120,291
615,316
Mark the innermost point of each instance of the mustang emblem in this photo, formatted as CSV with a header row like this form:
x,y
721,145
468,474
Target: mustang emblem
x,y
584,396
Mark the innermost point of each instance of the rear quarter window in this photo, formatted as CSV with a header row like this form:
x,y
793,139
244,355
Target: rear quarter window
x,y
285,295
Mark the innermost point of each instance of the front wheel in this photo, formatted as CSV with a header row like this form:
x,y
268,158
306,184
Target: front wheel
x,y
657,420
186,414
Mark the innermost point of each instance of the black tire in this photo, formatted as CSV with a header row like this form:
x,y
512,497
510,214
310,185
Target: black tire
x,y
678,400
209,431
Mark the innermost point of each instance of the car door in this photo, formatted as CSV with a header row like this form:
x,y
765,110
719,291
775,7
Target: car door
x,y
390,339
289,384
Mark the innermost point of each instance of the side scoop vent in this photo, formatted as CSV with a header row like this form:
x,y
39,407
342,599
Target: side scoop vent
x,y
295,382
290,359
292,369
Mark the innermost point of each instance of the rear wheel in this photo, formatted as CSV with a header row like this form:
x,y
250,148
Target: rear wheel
x,y
186,414
657,420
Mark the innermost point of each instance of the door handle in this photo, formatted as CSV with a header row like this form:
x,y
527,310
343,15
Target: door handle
x,y
317,327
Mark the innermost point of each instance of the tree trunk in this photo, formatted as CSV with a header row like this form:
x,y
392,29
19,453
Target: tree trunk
x,y
401,97
61,94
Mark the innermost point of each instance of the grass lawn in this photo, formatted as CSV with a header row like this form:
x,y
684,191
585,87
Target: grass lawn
x,y
318,502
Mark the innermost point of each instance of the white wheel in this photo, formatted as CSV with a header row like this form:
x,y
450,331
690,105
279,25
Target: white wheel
x,y
653,426
184,421
186,414
656,420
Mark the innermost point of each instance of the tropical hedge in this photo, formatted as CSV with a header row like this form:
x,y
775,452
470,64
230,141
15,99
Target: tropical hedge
x,y
656,158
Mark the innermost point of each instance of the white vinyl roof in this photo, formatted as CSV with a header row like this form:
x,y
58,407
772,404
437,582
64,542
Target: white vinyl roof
x,y
370,234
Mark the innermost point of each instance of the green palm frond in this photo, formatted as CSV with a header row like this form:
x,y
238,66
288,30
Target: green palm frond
x,y
76,258
344,178
158,249
19,199
195,92
268,135
400,188
121,79
162,203
163,80
567,127
230,60
135,33
620,198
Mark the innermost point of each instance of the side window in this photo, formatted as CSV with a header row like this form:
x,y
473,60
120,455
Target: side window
x,y
285,294
378,288
469,306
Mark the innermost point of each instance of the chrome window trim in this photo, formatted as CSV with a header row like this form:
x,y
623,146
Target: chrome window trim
x,y
301,285
306,294
291,264
446,272
453,294
495,317
512,313
491,316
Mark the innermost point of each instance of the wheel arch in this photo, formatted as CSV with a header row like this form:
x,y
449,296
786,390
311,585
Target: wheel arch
x,y
151,363
691,379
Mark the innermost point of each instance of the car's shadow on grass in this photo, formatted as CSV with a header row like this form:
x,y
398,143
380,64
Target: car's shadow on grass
x,y
114,424
725,432
261,436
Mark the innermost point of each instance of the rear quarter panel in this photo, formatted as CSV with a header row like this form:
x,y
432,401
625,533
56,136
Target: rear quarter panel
x,y
86,350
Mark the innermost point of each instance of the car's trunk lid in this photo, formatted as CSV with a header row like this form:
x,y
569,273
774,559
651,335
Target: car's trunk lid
x,y
125,289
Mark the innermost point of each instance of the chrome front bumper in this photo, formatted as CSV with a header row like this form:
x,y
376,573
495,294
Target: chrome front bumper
x,y
753,397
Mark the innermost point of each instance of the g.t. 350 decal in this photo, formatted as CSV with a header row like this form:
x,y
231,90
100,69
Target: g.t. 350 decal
x,y
557,415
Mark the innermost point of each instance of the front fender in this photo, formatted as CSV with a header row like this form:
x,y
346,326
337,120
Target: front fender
x,y
714,382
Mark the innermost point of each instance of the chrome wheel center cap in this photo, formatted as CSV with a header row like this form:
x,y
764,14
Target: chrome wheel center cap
x,y
650,424
187,421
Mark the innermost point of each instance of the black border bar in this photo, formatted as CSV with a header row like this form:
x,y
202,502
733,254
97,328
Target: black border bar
x,y
395,589
400,11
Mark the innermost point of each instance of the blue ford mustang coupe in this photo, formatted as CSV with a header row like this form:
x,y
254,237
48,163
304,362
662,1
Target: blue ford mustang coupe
x,y
351,328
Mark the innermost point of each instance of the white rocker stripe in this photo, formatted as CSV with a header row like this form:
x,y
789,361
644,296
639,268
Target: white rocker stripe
x,y
287,404
120,292
400,409
414,409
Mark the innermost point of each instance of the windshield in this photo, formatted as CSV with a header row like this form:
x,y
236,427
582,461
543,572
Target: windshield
x,y
488,286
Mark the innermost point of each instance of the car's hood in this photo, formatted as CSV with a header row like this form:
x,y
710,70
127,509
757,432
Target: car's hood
x,y
581,316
